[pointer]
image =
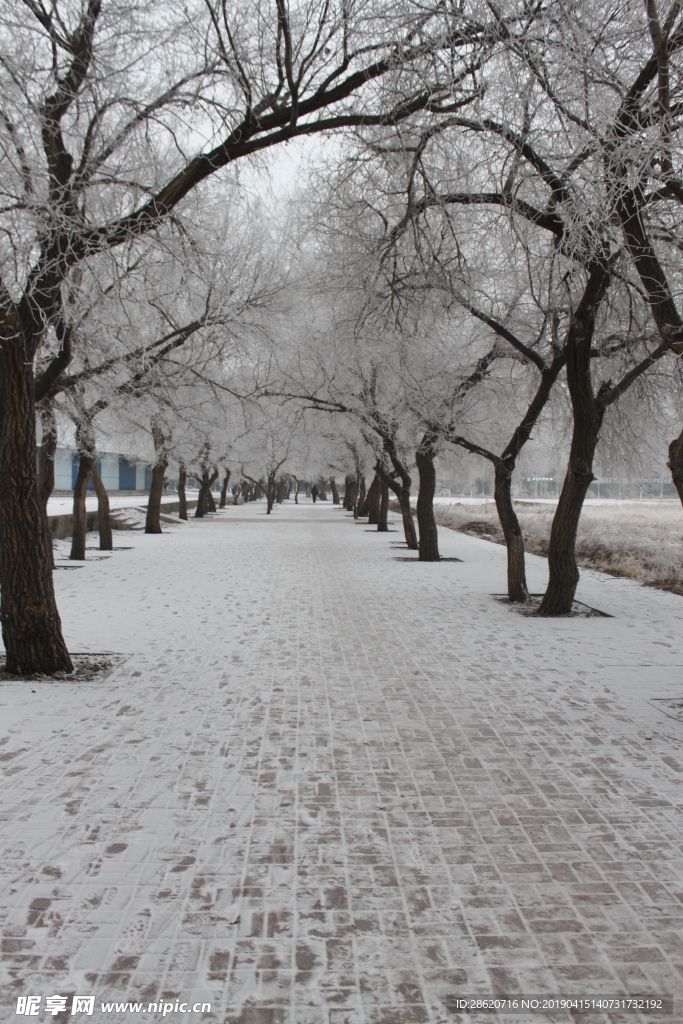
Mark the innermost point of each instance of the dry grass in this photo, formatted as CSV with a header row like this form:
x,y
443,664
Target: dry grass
x,y
642,540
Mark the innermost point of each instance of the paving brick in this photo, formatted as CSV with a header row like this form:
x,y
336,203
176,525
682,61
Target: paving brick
x,y
341,789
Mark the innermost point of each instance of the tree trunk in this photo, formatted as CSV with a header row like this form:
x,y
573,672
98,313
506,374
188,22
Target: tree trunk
x,y
182,498
153,521
408,521
322,493
349,492
428,545
588,414
224,489
202,505
79,517
402,492
46,452
31,627
360,497
382,525
372,501
296,491
46,462
205,500
675,464
335,492
563,570
270,495
103,517
517,588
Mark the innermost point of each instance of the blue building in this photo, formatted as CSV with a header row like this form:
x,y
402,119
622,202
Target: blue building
x,y
117,471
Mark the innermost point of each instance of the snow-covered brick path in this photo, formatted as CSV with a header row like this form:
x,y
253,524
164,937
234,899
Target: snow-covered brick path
x,y
328,785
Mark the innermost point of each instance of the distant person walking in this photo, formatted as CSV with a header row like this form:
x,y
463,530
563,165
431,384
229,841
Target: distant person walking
x,y
314,493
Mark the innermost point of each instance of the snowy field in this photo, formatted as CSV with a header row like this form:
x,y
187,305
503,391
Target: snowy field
x,y
327,784
63,505
642,540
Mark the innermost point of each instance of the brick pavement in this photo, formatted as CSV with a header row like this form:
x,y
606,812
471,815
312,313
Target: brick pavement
x,y
327,786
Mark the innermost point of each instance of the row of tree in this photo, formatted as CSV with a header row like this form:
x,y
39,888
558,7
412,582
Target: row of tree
x,y
490,239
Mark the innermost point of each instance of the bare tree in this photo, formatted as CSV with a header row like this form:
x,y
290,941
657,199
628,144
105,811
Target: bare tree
x,y
93,158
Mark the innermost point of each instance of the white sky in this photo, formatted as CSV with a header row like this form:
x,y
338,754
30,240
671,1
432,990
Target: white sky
x,y
283,169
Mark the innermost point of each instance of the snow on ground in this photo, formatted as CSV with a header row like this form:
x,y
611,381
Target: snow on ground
x,y
642,540
331,785
63,505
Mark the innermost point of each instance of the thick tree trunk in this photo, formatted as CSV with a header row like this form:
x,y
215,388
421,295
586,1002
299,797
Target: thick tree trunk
x,y
224,489
372,500
182,497
382,524
103,517
270,496
428,545
588,414
31,627
675,464
296,491
79,517
335,492
517,588
153,520
322,493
